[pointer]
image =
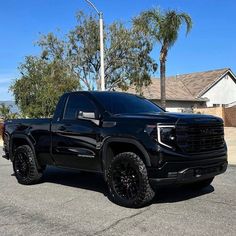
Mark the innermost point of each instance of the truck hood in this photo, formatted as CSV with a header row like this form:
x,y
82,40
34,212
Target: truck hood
x,y
170,117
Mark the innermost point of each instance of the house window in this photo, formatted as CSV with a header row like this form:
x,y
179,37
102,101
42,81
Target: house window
x,y
216,105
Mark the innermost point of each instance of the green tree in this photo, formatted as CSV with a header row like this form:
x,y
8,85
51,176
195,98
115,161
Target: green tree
x,y
41,84
72,62
6,113
127,55
128,61
163,27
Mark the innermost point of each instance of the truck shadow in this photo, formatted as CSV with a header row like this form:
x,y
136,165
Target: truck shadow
x,y
76,179
95,182
170,194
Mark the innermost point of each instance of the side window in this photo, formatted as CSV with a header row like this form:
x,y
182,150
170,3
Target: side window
x,y
76,103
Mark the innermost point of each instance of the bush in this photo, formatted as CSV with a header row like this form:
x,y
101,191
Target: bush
x,y
1,130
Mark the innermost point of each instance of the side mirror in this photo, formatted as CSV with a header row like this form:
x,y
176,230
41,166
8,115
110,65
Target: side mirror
x,y
86,115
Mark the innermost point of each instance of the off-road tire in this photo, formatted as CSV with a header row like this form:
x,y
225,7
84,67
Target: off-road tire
x,y
143,193
201,184
24,166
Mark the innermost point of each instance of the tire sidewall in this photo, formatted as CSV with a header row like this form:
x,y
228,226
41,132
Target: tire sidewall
x,y
140,168
33,174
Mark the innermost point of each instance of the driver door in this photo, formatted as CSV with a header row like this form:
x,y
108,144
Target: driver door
x,y
74,140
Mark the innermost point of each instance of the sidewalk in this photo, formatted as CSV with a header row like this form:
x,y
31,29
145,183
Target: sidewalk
x,y
230,138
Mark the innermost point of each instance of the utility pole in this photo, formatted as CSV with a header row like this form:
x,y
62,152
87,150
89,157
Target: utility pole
x,y
102,75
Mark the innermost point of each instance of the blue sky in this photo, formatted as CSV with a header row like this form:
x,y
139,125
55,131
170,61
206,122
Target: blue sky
x,y
210,45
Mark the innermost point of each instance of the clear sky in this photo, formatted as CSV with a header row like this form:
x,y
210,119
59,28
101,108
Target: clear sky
x,y
210,45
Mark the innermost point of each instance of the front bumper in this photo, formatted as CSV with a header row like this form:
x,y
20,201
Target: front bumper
x,y
187,172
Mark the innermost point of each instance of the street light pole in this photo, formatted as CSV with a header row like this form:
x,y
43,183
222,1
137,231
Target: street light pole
x,y
102,52
100,14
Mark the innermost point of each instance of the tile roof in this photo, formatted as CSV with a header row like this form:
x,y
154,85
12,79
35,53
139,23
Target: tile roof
x,y
200,81
186,87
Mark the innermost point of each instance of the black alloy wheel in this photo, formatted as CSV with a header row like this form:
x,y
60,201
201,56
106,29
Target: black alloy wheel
x,y
21,165
24,166
128,181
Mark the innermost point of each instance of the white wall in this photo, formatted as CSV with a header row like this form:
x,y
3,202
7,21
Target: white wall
x,y
180,106
224,92
174,109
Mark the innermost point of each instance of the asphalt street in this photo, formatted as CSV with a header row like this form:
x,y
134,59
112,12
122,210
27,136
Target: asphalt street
x,y
73,203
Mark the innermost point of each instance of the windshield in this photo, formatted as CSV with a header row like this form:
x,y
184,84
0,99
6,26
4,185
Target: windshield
x,y
121,103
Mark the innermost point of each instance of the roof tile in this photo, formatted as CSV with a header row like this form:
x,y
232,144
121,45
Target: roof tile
x,y
182,87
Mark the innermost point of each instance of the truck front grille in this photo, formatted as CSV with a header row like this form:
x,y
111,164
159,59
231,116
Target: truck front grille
x,y
200,137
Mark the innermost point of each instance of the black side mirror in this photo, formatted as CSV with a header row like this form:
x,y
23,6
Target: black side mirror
x,y
86,115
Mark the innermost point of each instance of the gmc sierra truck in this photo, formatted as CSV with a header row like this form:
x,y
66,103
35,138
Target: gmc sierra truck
x,y
133,142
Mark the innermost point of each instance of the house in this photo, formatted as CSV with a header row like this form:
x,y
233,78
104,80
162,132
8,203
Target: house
x,y
194,90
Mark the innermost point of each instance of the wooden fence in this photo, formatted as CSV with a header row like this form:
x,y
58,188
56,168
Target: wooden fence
x,y
228,114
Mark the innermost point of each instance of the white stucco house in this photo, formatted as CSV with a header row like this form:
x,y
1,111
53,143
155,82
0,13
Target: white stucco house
x,y
222,91
200,89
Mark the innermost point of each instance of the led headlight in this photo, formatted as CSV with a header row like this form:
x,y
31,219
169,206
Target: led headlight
x,y
166,135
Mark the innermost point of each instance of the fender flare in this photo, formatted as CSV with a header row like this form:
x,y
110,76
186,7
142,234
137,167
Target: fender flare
x,y
124,140
29,142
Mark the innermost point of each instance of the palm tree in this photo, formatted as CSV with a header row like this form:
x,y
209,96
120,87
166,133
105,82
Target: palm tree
x,y
163,27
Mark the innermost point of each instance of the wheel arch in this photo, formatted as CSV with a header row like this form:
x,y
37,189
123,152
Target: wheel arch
x,y
19,140
122,145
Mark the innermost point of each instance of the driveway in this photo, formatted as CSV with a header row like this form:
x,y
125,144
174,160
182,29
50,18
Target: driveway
x,y
72,203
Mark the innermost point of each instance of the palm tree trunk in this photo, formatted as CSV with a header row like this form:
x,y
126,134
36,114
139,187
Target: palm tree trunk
x,y
163,83
163,55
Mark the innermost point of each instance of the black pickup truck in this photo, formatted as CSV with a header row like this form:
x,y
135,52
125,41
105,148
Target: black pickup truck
x,y
133,142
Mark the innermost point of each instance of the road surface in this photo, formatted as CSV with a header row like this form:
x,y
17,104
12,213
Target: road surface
x,y
72,203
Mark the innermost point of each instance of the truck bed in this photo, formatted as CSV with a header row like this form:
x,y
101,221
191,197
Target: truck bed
x,y
24,124
39,130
